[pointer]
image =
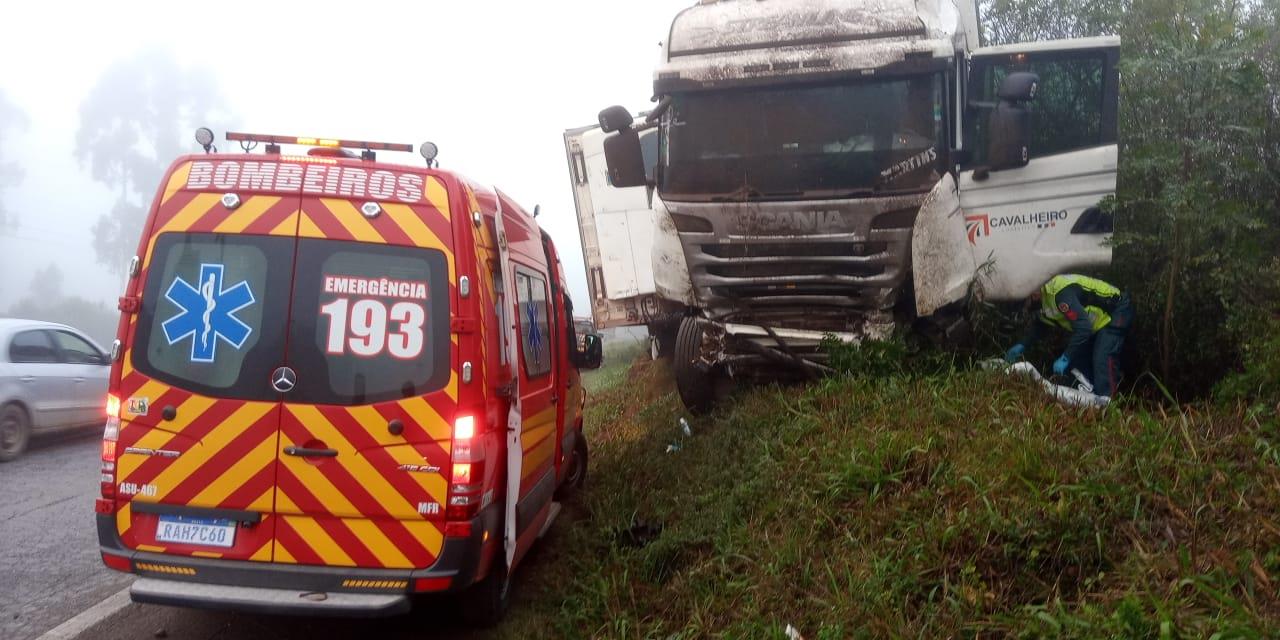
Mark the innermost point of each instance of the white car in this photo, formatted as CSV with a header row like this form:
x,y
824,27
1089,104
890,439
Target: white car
x,y
51,377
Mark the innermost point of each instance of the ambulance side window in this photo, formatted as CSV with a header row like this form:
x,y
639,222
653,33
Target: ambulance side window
x,y
535,326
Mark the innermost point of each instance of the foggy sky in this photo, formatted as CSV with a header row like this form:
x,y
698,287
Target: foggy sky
x,y
493,83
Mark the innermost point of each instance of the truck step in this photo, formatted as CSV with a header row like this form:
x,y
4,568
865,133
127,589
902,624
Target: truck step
x,y
551,519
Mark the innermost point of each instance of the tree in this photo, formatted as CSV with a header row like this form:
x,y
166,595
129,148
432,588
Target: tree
x,y
1010,21
12,120
1197,210
45,300
135,120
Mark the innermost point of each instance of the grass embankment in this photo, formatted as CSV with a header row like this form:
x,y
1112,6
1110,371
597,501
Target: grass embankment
x,y
959,505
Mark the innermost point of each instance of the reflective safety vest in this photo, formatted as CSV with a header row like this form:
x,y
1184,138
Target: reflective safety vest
x,y
1052,313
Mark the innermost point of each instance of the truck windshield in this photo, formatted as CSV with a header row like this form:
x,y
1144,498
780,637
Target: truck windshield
x,y
807,142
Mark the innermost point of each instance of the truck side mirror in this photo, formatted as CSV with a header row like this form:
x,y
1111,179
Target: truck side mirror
x,y
592,355
1010,125
615,118
625,158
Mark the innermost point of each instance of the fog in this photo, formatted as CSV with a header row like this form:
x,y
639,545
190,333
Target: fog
x,y
97,98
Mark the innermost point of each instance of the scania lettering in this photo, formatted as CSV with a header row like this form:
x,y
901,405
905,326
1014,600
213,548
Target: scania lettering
x,y
914,143
340,376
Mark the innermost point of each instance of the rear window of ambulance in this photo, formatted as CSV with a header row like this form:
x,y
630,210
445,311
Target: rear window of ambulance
x,y
203,322
370,323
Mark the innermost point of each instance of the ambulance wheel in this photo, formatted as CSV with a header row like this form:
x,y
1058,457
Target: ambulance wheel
x,y
576,478
696,385
486,602
15,432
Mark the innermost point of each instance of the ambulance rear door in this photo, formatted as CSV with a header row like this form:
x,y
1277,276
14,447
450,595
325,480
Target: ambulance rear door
x,y
196,453
365,433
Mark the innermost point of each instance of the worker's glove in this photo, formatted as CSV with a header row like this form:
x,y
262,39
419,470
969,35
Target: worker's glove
x,y
1014,353
1060,366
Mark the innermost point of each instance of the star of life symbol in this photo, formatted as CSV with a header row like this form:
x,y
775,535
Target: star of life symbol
x,y
207,313
535,333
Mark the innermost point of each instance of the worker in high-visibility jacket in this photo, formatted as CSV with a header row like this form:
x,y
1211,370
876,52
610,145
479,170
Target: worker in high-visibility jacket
x,y
1098,316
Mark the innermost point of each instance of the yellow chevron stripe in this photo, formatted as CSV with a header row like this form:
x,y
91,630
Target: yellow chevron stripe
x,y
320,542
352,220
196,209
316,483
190,411
434,484
194,458
427,533
358,466
378,543
281,554
424,414
124,518
263,554
451,389
407,219
250,210
438,196
177,182
217,492
160,437
289,226
307,227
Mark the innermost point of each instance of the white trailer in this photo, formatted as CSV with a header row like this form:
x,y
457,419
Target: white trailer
x,y
842,167
616,226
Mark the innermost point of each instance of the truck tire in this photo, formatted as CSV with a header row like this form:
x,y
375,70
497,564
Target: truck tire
x,y
15,432
697,387
485,603
662,340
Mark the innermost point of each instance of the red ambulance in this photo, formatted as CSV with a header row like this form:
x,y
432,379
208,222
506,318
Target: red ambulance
x,y
338,382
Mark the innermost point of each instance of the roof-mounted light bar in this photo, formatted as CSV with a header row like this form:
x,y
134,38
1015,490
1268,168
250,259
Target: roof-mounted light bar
x,y
317,142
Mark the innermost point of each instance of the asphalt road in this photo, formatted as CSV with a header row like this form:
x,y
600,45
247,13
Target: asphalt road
x,y
50,569
432,621
48,547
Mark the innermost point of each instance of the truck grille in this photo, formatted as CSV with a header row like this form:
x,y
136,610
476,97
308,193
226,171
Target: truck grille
x,y
859,269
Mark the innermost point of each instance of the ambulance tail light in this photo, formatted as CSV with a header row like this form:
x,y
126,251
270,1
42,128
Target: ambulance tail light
x,y
110,438
466,476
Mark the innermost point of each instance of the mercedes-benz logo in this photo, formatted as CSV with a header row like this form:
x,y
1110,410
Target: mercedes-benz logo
x,y
284,379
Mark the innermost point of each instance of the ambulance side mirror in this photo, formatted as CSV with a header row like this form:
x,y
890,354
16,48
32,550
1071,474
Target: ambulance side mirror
x,y
592,354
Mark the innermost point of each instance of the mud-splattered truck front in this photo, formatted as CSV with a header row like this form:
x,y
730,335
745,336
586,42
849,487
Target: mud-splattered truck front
x,y
843,167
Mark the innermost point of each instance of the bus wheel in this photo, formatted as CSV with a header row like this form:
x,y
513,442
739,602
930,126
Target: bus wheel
x,y
697,385
486,602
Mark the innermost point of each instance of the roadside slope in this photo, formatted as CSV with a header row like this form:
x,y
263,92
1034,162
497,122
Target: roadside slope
x,y
956,505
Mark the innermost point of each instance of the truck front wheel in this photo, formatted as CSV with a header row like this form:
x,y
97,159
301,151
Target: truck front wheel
x,y
697,383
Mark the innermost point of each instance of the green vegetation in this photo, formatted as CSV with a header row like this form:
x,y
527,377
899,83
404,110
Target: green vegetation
x,y
1197,210
951,504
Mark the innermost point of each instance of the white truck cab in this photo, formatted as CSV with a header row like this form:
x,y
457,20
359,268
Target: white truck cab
x,y
842,167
